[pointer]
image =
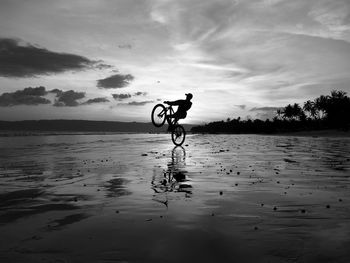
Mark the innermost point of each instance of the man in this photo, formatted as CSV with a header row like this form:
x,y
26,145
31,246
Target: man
x,y
183,107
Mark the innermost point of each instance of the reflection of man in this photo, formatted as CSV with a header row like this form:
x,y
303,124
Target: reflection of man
x,y
183,107
176,171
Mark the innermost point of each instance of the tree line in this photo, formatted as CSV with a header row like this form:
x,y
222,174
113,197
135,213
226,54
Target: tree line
x,y
324,112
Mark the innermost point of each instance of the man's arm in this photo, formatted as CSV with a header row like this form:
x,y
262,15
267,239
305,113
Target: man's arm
x,y
174,103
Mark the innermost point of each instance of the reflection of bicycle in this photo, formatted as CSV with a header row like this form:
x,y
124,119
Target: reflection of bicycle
x,y
174,178
160,113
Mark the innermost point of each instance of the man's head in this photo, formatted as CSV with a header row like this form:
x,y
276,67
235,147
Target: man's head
x,y
189,96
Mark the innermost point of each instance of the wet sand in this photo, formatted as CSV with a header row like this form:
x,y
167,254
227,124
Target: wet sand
x,y
319,133
136,198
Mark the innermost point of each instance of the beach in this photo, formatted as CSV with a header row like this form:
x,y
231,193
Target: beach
x,y
137,198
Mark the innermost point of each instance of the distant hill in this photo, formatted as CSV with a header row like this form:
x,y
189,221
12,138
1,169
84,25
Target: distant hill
x,y
81,126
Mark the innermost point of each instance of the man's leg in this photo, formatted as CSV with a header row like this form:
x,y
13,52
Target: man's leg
x,y
172,120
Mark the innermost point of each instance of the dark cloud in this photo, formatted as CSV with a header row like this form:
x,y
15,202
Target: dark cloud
x,y
101,65
125,46
265,109
95,100
139,93
242,106
58,92
127,95
26,60
68,98
121,96
140,103
115,81
27,96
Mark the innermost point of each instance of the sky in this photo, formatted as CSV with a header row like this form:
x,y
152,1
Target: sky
x,y
116,59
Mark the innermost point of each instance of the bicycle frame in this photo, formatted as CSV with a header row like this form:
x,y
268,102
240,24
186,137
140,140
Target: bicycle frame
x,y
169,111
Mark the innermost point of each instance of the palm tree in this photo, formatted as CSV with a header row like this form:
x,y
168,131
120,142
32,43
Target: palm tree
x,y
288,112
338,94
321,104
338,109
298,113
279,113
309,106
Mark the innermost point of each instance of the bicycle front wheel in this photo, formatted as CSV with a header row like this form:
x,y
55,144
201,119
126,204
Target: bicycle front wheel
x,y
178,135
158,115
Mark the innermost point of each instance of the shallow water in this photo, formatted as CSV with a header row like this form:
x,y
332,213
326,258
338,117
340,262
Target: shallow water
x,y
136,198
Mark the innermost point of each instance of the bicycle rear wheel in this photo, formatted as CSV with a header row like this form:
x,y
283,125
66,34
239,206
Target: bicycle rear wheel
x,y
158,115
178,135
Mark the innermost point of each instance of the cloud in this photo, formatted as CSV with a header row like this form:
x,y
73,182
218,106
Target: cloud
x,y
58,92
25,60
127,95
264,113
333,17
116,81
95,100
35,96
139,93
139,103
100,65
125,46
265,108
27,96
121,96
68,98
242,107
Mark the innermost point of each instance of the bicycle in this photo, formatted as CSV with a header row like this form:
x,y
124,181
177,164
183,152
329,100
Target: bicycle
x,y
160,113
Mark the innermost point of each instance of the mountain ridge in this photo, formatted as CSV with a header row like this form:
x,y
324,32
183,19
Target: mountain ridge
x,y
63,125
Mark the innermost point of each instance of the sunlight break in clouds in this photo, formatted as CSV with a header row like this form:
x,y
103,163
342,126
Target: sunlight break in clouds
x,y
259,53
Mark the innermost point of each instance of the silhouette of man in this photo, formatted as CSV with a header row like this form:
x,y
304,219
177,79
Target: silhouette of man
x,y
183,107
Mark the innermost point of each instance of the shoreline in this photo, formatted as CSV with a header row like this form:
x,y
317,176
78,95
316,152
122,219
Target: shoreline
x,y
314,133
